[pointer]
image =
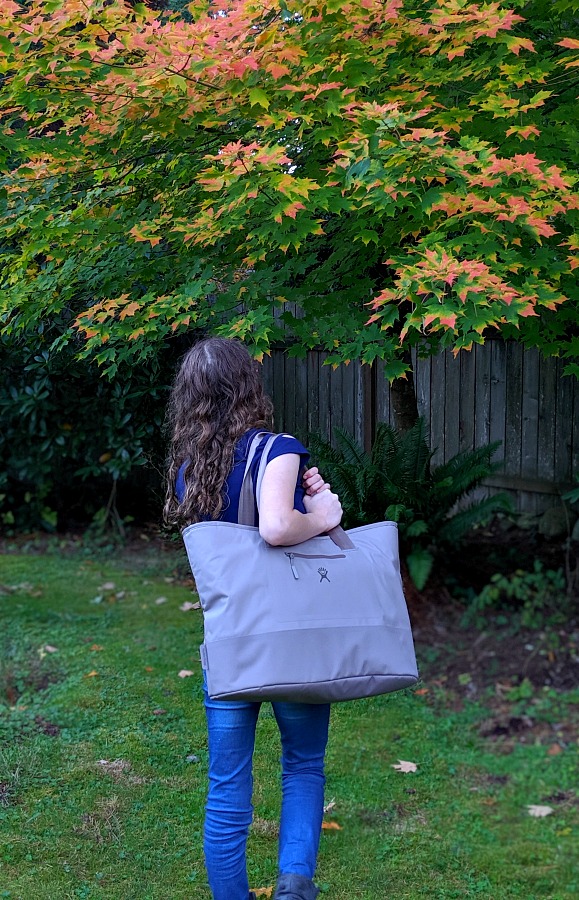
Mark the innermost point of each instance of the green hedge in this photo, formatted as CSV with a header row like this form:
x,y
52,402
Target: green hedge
x,y
76,448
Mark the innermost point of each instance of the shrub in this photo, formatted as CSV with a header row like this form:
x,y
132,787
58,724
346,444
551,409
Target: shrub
x,y
537,596
396,481
75,445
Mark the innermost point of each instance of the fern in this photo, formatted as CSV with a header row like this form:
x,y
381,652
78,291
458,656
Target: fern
x,y
456,527
397,481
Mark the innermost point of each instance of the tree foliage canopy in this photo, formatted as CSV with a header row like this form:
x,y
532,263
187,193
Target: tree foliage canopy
x,y
362,175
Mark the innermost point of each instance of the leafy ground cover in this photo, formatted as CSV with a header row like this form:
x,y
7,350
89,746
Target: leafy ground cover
x,y
103,751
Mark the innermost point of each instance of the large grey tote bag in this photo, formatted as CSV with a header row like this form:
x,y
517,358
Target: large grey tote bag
x,y
317,622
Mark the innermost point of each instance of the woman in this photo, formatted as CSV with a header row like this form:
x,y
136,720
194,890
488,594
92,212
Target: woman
x,y
216,407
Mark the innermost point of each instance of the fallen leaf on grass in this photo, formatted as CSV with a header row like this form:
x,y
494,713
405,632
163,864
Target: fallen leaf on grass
x,y
149,669
263,892
554,750
185,607
404,766
50,649
96,648
329,805
160,600
331,826
107,586
91,674
421,692
159,712
185,673
539,812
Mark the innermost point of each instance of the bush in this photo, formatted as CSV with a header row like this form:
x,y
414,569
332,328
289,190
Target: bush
x,y
396,481
537,596
74,446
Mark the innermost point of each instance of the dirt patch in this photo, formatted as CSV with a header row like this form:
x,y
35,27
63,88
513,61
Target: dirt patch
x,y
469,658
47,727
103,824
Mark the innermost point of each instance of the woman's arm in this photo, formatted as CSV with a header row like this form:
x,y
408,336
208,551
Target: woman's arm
x,y
279,523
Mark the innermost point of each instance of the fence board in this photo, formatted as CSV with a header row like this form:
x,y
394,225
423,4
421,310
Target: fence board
x,y
302,399
575,427
348,418
494,392
452,406
437,407
513,408
547,405
467,400
324,421
383,409
498,396
482,397
279,389
313,380
289,397
422,377
529,427
563,433
336,399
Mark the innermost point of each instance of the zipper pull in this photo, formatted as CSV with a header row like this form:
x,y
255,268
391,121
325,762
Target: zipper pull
x,y
290,556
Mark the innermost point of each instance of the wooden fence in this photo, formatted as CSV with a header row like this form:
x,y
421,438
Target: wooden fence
x,y
494,392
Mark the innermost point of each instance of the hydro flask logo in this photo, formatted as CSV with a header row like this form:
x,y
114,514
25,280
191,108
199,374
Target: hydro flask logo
x,y
323,573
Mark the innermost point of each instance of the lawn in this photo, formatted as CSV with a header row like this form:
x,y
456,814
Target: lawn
x,y
103,758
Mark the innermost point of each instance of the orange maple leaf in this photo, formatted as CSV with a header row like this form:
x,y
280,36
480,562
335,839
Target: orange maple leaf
x,y
277,70
129,310
292,208
570,43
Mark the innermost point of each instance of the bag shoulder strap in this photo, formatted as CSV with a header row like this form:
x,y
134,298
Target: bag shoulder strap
x,y
247,495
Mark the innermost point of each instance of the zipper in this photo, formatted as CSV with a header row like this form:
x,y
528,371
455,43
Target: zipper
x,y
292,556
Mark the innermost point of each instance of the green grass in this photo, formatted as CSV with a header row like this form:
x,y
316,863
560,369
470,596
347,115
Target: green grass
x,y
73,826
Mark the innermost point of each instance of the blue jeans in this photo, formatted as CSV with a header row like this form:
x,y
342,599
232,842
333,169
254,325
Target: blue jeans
x,y
231,729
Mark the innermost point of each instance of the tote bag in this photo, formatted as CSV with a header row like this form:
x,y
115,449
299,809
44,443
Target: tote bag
x,y
316,622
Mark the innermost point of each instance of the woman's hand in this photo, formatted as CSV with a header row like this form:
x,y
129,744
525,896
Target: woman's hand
x,y
279,523
326,507
313,482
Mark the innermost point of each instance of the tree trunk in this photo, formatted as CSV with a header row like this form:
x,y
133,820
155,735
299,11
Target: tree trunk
x,y
403,398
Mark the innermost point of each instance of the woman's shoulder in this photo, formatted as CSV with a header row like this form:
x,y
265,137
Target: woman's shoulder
x,y
283,443
287,443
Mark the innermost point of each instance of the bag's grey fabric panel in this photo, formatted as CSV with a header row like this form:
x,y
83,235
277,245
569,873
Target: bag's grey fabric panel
x,y
322,610
346,663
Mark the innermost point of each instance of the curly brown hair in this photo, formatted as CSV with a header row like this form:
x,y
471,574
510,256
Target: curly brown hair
x,y
217,396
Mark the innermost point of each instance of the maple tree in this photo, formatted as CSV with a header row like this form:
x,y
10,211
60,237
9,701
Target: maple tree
x,y
361,176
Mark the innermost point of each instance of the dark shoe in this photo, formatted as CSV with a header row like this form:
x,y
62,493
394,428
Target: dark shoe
x,y
295,887
252,896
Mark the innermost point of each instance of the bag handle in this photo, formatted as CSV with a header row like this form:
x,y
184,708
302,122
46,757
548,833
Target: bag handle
x,y
341,538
